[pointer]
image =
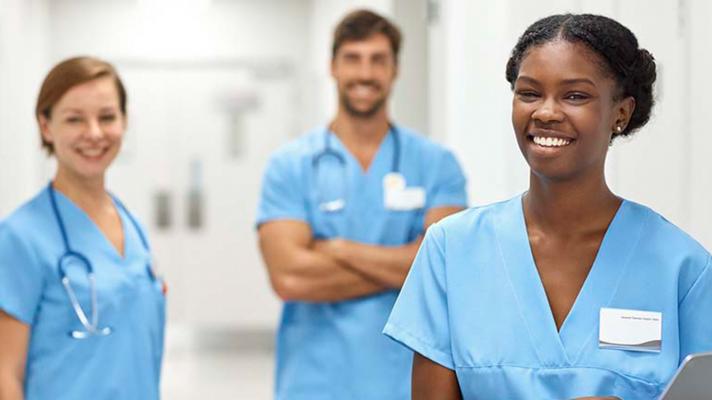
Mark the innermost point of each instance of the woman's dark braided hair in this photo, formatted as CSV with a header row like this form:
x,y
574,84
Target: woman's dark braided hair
x,y
632,68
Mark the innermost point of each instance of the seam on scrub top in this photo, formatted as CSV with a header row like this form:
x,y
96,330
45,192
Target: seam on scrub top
x,y
431,347
32,252
15,309
514,292
499,366
447,298
618,284
697,280
280,217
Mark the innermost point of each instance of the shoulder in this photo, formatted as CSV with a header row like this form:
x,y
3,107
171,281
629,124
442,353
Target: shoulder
x,y
26,220
417,142
474,219
667,241
27,229
300,148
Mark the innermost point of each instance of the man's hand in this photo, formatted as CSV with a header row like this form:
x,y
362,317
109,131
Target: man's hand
x,y
299,273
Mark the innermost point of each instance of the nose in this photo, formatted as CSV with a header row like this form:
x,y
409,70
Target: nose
x,y
549,111
365,70
94,130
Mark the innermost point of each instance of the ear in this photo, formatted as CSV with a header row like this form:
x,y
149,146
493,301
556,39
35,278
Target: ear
x,y
44,128
622,114
332,67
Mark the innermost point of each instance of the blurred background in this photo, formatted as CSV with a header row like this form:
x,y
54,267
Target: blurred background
x,y
216,85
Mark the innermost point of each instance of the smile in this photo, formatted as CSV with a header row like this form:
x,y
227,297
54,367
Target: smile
x,y
551,141
93,152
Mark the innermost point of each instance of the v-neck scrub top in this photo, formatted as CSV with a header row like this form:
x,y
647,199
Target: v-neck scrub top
x,y
474,303
122,365
335,350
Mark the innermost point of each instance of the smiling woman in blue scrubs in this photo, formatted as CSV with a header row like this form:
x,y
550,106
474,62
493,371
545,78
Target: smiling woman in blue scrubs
x,y
567,290
67,334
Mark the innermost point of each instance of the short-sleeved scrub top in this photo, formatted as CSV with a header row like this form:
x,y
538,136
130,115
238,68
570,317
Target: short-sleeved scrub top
x,y
474,303
122,365
335,350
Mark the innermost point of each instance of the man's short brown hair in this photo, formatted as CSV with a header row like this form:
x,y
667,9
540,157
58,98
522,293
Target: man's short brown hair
x,y
361,24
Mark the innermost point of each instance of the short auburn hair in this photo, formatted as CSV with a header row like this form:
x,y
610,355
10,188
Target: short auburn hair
x,y
361,24
67,74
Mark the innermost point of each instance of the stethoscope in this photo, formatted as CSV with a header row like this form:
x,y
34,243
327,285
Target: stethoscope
x,y
328,151
91,325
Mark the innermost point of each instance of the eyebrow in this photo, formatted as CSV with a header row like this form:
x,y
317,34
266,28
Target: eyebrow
x,y
80,111
70,110
565,81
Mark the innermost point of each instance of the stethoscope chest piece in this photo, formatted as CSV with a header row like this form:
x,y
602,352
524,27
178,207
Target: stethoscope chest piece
x,y
89,322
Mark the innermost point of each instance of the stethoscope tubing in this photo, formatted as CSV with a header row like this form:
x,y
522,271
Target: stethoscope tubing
x,y
328,150
91,325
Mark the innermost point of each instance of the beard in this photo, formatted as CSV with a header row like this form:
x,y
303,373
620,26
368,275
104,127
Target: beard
x,y
369,112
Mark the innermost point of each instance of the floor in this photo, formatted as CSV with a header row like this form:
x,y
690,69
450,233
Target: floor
x,y
235,366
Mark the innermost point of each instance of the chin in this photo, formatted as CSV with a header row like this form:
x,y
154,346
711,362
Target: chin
x,y
89,171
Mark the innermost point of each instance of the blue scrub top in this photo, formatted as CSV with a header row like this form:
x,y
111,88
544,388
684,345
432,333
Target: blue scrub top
x,y
474,303
335,350
123,365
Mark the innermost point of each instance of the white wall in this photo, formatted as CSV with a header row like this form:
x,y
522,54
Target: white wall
x,y
22,55
186,65
700,142
666,165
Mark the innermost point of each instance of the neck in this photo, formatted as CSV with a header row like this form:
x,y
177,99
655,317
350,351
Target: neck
x,y
570,206
360,132
87,194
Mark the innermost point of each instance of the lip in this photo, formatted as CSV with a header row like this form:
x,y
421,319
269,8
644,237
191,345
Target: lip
x,y
102,151
548,151
546,133
363,90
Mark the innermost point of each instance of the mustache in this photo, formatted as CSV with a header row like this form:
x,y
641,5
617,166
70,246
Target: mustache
x,y
370,83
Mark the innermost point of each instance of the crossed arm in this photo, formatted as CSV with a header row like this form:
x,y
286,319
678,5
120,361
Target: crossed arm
x,y
14,337
303,269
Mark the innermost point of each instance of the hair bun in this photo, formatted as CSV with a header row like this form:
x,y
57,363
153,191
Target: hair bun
x,y
645,67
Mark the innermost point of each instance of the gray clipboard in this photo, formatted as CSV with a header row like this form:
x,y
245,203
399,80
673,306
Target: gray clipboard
x,y
693,380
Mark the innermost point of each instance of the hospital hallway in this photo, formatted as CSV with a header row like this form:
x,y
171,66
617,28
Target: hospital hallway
x,y
218,366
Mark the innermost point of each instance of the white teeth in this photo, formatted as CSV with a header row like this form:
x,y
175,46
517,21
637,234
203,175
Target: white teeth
x,y
91,152
551,141
363,90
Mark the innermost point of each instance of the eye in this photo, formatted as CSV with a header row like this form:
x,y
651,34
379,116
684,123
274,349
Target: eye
x,y
108,118
379,60
350,58
527,95
74,119
577,96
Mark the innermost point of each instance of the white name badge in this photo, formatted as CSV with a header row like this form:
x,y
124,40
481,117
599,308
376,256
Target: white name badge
x,y
631,330
405,199
398,197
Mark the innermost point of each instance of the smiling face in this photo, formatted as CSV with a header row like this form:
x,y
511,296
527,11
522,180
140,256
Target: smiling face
x,y
565,110
364,71
85,128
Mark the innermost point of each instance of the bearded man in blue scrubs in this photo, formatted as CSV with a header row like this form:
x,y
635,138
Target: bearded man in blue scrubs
x,y
341,216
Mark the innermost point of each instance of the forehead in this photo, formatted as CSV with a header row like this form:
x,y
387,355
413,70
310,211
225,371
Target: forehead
x,y
100,92
561,60
376,43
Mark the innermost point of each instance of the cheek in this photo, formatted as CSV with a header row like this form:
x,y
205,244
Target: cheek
x,y
115,132
63,136
520,117
589,121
